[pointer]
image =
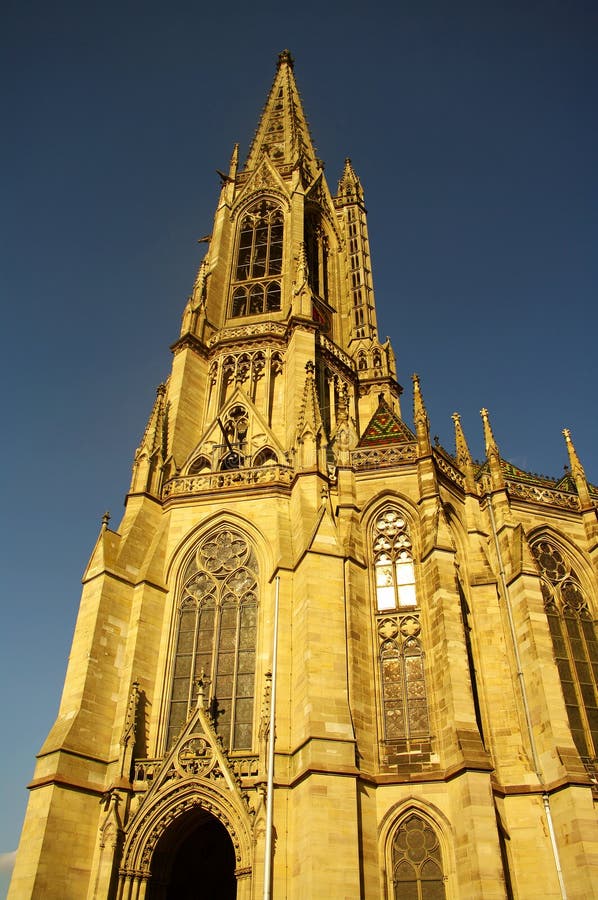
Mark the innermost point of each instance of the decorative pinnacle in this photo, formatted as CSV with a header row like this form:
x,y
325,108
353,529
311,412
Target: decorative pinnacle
x,y
234,162
105,519
577,470
201,683
463,455
491,446
349,179
420,417
349,170
418,400
302,267
492,452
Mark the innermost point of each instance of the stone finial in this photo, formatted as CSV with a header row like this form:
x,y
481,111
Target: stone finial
x,y
105,519
285,58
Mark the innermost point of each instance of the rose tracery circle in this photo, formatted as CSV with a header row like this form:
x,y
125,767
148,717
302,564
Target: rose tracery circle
x,y
223,553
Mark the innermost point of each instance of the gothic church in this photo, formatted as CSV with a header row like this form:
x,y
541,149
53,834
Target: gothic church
x,y
320,656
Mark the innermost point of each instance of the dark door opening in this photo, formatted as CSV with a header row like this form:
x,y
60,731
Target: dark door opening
x,y
194,860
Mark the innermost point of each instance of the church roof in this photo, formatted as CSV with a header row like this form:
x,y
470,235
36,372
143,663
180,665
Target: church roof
x,y
385,427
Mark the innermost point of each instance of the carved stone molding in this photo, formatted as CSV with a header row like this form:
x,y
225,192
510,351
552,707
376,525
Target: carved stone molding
x,y
212,481
381,457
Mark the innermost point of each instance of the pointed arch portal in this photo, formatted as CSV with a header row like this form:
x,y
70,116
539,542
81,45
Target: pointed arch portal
x,y
192,828
195,853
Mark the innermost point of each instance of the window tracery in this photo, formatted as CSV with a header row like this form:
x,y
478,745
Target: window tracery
x,y
217,632
417,871
575,645
393,561
401,658
259,260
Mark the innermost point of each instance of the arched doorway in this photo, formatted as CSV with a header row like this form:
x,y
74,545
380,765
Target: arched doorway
x,y
194,860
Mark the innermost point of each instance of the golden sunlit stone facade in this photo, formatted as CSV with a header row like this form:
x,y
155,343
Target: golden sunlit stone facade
x,y
436,690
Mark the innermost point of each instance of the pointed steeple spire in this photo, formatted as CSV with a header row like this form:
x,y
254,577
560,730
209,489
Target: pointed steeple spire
x,y
463,455
420,418
283,132
349,186
492,453
577,471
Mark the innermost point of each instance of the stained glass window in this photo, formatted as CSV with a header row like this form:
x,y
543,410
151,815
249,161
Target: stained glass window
x,y
575,646
417,871
217,636
404,701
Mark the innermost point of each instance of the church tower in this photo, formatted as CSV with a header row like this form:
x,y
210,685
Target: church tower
x,y
320,656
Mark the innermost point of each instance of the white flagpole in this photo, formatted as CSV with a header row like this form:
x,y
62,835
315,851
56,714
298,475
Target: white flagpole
x,y
271,737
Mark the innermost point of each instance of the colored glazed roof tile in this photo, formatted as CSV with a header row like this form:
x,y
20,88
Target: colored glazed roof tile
x,y
385,427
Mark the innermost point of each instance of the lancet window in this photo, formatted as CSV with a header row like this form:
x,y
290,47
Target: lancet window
x,y
259,260
401,659
575,645
417,872
217,630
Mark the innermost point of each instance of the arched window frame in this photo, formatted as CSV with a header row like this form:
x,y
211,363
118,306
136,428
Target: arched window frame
x,y
416,859
265,457
403,703
574,638
199,464
258,266
216,634
396,820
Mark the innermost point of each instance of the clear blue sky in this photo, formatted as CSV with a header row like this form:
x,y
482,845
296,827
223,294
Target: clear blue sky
x,y
473,128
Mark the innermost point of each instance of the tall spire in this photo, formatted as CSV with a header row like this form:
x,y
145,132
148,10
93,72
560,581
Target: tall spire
x,y
577,471
283,132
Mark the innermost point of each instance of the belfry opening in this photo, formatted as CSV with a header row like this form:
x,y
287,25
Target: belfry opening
x,y
193,859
